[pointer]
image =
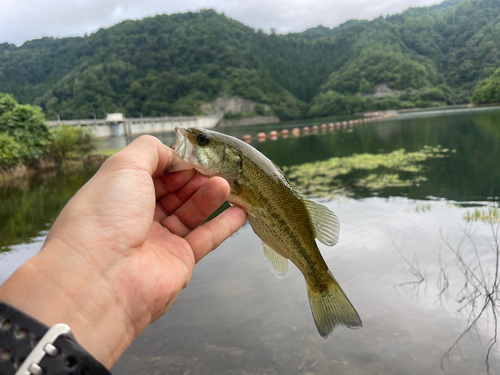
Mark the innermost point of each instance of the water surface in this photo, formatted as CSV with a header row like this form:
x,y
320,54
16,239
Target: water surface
x,y
237,318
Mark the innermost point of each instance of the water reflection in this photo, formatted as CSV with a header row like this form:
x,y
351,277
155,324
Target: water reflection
x,y
30,206
247,321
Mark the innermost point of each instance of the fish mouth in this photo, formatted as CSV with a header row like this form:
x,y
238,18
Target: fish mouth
x,y
183,151
180,142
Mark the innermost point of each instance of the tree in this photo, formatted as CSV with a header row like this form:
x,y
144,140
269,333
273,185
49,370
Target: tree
x,y
488,91
25,125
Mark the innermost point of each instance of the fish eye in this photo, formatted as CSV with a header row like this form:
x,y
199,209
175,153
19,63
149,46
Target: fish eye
x,y
202,139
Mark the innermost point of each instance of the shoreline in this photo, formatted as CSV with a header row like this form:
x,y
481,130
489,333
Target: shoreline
x,y
23,171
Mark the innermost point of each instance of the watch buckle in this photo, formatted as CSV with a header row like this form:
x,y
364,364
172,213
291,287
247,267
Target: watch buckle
x,y
44,347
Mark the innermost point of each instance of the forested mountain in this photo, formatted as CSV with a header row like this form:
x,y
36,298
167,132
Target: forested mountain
x,y
172,64
488,90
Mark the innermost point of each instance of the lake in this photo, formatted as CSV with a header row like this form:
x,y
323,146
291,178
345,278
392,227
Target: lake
x,y
416,196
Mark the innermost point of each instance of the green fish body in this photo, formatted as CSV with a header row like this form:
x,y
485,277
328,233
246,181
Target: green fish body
x,y
286,223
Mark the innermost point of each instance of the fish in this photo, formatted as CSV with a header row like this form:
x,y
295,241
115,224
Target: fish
x,y
285,221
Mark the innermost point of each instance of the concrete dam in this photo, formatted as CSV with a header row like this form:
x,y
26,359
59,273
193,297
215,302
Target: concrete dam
x,y
116,125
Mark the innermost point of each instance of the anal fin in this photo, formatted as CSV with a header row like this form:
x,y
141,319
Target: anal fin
x,y
277,263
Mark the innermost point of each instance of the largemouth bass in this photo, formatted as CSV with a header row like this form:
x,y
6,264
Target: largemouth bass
x,y
286,223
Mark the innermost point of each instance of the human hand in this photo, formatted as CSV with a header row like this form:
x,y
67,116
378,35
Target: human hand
x,y
123,248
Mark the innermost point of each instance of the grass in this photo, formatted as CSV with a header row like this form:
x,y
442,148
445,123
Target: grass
x,y
107,152
483,215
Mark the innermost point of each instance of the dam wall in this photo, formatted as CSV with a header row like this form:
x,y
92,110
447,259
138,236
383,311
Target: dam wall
x,y
104,128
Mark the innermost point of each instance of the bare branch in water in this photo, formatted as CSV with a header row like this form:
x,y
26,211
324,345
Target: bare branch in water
x,y
443,279
480,292
414,268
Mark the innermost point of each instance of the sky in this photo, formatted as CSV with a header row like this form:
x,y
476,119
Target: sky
x,y
22,20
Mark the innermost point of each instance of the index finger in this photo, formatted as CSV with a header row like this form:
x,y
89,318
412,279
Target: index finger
x,y
210,235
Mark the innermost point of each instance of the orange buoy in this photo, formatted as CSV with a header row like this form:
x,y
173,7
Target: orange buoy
x,y
273,135
296,132
285,133
330,126
337,124
247,138
305,130
261,137
315,129
323,127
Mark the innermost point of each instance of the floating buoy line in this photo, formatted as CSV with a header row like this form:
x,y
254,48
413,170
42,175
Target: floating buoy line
x,y
306,130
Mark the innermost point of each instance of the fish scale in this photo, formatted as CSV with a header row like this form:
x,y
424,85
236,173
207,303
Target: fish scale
x,y
289,227
286,223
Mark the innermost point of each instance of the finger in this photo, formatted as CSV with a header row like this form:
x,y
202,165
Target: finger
x,y
198,208
146,153
159,214
210,235
171,202
167,183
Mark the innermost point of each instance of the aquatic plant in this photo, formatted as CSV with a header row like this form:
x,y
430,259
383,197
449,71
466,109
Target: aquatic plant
x,y
381,181
327,178
483,215
421,207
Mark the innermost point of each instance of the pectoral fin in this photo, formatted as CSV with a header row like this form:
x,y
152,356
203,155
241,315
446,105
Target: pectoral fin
x,y
325,223
277,263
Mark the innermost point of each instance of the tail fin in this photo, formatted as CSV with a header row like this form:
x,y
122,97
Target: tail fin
x,y
330,307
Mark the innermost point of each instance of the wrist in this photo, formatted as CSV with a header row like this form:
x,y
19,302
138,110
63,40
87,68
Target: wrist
x,y
53,293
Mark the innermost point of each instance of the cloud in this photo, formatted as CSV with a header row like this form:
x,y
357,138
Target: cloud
x,y
22,20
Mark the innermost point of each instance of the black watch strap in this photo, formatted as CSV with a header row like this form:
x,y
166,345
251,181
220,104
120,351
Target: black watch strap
x,y
55,351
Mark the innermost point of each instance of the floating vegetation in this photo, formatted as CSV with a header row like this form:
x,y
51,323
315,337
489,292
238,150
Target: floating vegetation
x,y
420,207
381,181
489,215
396,169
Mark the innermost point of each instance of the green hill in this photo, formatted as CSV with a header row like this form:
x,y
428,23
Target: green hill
x,y
488,90
171,64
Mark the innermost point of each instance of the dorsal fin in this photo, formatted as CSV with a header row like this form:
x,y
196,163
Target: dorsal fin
x,y
277,263
325,223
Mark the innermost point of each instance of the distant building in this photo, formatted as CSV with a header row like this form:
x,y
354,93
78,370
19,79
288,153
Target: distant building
x,y
115,117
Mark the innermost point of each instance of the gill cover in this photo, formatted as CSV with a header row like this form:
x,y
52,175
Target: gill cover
x,y
208,152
